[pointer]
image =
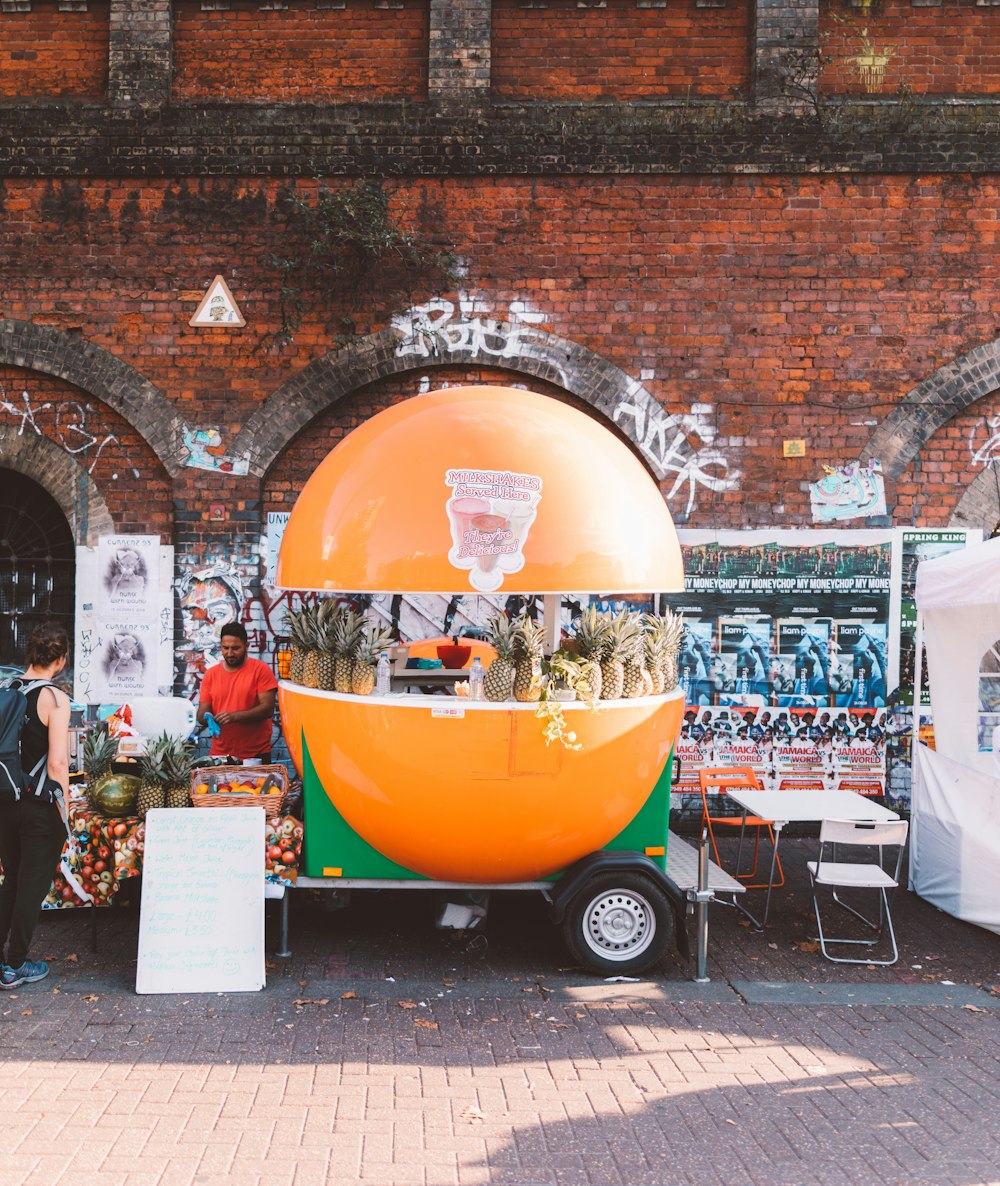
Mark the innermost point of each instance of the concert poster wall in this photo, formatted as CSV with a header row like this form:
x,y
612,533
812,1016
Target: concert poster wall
x,y
784,658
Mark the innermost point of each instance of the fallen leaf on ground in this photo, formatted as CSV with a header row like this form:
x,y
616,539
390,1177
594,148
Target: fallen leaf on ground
x,y
26,1012
71,959
407,1004
975,1008
348,996
311,1001
92,997
773,946
425,1024
808,946
473,1115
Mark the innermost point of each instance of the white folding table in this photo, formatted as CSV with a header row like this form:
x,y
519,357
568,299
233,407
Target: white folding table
x,y
787,807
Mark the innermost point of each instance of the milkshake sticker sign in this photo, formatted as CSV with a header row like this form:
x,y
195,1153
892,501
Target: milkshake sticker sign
x,y
490,513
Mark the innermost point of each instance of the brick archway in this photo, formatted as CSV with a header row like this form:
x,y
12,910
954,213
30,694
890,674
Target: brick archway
x,y
933,402
979,506
433,337
101,374
66,480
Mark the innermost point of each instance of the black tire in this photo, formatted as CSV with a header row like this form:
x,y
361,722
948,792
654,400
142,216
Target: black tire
x,y
619,923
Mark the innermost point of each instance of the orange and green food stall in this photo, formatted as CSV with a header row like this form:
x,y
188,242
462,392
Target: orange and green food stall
x,y
498,493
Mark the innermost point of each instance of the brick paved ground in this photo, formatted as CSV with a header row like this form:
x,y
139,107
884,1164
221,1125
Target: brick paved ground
x,y
386,1052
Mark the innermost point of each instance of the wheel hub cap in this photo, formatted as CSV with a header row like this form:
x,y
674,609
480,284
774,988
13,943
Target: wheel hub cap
x,y
620,925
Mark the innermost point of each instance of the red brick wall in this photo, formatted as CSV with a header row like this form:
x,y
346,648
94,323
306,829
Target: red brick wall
x,y
300,54
776,308
951,50
621,51
134,485
45,53
929,488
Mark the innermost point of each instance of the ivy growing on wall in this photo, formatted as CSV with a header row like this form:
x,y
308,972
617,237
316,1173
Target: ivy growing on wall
x,y
342,245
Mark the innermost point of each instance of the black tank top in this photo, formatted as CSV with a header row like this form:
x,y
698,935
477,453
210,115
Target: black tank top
x,y
34,735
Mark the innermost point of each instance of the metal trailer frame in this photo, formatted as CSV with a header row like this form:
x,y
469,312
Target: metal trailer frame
x,y
690,880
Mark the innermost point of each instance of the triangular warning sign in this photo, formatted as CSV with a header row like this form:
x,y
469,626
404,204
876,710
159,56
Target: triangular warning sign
x,y
218,308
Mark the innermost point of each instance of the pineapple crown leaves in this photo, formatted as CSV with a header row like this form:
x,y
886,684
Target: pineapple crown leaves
x,y
667,628
592,633
528,638
374,639
347,634
99,749
309,626
502,636
168,760
624,635
328,615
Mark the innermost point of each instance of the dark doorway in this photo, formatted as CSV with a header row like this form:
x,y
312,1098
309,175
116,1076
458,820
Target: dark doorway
x,y
37,564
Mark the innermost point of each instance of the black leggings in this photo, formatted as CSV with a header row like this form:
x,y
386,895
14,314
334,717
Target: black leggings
x,y
32,835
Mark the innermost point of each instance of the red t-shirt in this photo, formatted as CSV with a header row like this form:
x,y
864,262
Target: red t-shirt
x,y
223,690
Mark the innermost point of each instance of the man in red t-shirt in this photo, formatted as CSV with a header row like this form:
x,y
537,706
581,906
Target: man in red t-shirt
x,y
239,692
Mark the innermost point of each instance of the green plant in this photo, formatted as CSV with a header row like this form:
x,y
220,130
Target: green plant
x,y
341,241
561,671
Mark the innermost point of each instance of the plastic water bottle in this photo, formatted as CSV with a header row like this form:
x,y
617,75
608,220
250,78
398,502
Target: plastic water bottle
x,y
382,675
476,677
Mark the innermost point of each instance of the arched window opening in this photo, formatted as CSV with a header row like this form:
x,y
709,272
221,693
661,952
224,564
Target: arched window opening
x,y
37,564
989,695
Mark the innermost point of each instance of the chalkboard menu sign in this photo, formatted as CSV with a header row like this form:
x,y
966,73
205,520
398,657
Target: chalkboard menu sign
x,y
201,927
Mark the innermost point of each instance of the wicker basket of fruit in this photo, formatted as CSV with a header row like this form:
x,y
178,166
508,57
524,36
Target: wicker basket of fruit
x,y
240,786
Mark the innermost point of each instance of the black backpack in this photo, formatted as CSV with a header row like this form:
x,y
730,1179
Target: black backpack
x,y
13,714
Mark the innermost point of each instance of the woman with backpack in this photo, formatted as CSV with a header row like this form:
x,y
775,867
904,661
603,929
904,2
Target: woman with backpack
x,y
32,828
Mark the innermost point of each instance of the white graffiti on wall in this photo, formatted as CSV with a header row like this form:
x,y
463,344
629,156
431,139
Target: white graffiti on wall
x,y
437,329
434,330
983,452
666,441
78,429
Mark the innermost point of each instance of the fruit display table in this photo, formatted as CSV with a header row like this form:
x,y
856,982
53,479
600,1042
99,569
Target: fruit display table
x,y
109,852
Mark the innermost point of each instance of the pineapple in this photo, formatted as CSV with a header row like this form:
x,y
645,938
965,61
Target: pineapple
x,y
653,646
346,639
527,660
374,640
329,614
500,673
623,635
633,683
99,750
152,791
667,629
296,671
178,762
591,635
309,623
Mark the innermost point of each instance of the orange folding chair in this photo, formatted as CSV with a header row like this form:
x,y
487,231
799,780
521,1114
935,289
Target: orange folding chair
x,y
715,780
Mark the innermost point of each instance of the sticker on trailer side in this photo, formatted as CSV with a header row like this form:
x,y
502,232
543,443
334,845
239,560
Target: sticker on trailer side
x,y
448,710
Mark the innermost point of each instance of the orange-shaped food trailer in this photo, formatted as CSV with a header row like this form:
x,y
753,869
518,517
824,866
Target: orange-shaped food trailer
x,y
491,491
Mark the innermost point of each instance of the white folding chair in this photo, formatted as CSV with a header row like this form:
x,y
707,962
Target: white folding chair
x,y
871,875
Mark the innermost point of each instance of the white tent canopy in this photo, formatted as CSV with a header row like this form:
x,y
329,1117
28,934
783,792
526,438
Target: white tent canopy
x,y
955,838
958,603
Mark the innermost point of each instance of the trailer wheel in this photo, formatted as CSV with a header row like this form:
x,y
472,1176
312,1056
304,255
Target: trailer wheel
x,y
618,923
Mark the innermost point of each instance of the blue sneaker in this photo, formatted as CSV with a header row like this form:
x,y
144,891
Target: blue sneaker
x,y
27,973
